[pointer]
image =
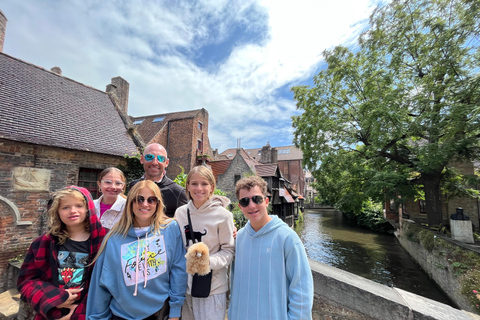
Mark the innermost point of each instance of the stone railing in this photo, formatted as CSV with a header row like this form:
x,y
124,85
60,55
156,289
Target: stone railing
x,y
339,295
343,295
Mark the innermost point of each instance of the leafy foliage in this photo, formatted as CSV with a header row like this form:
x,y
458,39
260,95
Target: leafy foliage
x,y
181,179
400,109
133,169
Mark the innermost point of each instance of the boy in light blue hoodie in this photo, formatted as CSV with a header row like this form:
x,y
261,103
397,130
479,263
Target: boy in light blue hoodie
x,y
271,276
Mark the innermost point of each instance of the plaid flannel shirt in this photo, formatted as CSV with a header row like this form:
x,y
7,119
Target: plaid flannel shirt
x,y
38,277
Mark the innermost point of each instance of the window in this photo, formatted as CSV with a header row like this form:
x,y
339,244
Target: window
x,y
287,151
138,121
199,145
237,177
158,119
200,126
423,206
87,178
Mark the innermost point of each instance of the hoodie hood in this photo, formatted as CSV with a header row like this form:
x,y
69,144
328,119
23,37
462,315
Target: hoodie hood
x,y
272,225
97,232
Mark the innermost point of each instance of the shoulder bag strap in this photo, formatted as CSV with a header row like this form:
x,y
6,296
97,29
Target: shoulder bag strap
x,y
190,226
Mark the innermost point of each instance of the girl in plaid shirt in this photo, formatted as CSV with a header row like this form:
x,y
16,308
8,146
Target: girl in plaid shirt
x,y
55,274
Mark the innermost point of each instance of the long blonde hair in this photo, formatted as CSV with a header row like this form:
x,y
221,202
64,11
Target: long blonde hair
x,y
158,221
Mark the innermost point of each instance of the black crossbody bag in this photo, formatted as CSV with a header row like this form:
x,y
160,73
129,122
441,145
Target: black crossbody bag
x,y
201,285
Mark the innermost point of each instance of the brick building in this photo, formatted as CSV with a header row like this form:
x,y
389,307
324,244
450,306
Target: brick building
x,y
289,160
284,202
183,134
54,132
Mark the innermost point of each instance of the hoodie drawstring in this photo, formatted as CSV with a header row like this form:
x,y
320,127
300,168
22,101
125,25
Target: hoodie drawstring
x,y
145,275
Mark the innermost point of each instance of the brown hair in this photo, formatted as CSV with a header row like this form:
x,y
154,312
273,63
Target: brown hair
x,y
57,227
158,221
203,172
249,183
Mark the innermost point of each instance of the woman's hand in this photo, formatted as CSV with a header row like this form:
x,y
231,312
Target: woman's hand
x,y
72,309
73,295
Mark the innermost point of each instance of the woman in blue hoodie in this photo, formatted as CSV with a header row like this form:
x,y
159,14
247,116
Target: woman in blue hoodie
x,y
141,263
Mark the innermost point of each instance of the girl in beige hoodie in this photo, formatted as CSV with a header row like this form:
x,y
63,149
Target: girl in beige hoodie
x,y
212,225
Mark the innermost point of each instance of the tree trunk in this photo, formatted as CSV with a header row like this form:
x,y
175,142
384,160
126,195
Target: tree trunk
x,y
433,201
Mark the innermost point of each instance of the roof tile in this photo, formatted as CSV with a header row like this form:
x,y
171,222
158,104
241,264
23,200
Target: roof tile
x,y
42,107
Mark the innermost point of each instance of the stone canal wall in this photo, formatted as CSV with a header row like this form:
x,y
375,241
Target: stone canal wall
x,y
454,266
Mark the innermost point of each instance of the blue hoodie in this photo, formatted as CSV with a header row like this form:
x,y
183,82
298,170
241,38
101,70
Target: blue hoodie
x,y
115,286
271,277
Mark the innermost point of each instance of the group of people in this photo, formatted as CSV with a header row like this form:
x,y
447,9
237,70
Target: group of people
x,y
124,257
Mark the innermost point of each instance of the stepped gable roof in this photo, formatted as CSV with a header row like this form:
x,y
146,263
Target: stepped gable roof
x,y
219,167
41,107
149,126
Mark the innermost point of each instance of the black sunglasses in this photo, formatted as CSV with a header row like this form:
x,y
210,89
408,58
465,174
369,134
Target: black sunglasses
x,y
141,199
256,199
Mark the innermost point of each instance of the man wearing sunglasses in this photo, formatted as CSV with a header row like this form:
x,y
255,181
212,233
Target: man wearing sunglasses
x,y
271,276
155,162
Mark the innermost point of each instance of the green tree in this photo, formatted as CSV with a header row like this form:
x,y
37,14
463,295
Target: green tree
x,y
404,104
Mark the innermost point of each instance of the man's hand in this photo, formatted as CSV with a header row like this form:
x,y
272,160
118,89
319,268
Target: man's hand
x,y
73,295
72,309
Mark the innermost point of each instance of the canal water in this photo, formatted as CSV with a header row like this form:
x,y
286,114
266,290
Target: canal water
x,y
329,239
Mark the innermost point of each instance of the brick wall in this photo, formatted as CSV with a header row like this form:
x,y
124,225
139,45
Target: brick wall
x,y
3,27
64,166
293,171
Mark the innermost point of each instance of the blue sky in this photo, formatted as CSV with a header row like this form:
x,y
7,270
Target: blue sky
x,y
236,59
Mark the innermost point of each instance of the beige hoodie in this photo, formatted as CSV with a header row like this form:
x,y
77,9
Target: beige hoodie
x,y
213,225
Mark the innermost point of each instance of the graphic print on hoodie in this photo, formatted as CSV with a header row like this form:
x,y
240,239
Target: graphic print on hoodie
x,y
196,234
149,254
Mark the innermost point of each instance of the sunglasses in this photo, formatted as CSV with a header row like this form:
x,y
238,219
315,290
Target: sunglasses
x,y
244,202
141,199
149,157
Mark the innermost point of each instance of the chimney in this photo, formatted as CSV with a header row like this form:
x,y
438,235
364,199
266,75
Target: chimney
x,y
56,70
215,154
3,29
274,156
266,155
120,88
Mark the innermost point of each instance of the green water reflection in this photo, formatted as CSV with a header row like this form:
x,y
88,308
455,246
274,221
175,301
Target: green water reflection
x,y
329,239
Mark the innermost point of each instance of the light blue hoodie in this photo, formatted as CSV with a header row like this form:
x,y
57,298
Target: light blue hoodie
x,y
115,286
271,276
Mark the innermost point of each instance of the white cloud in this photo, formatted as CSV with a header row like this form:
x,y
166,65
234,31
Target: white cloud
x,y
154,44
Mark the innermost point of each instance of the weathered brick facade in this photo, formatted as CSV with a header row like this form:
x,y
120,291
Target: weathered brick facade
x,y
63,166
3,27
183,134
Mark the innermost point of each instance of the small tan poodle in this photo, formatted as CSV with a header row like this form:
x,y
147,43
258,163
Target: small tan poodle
x,y
198,259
